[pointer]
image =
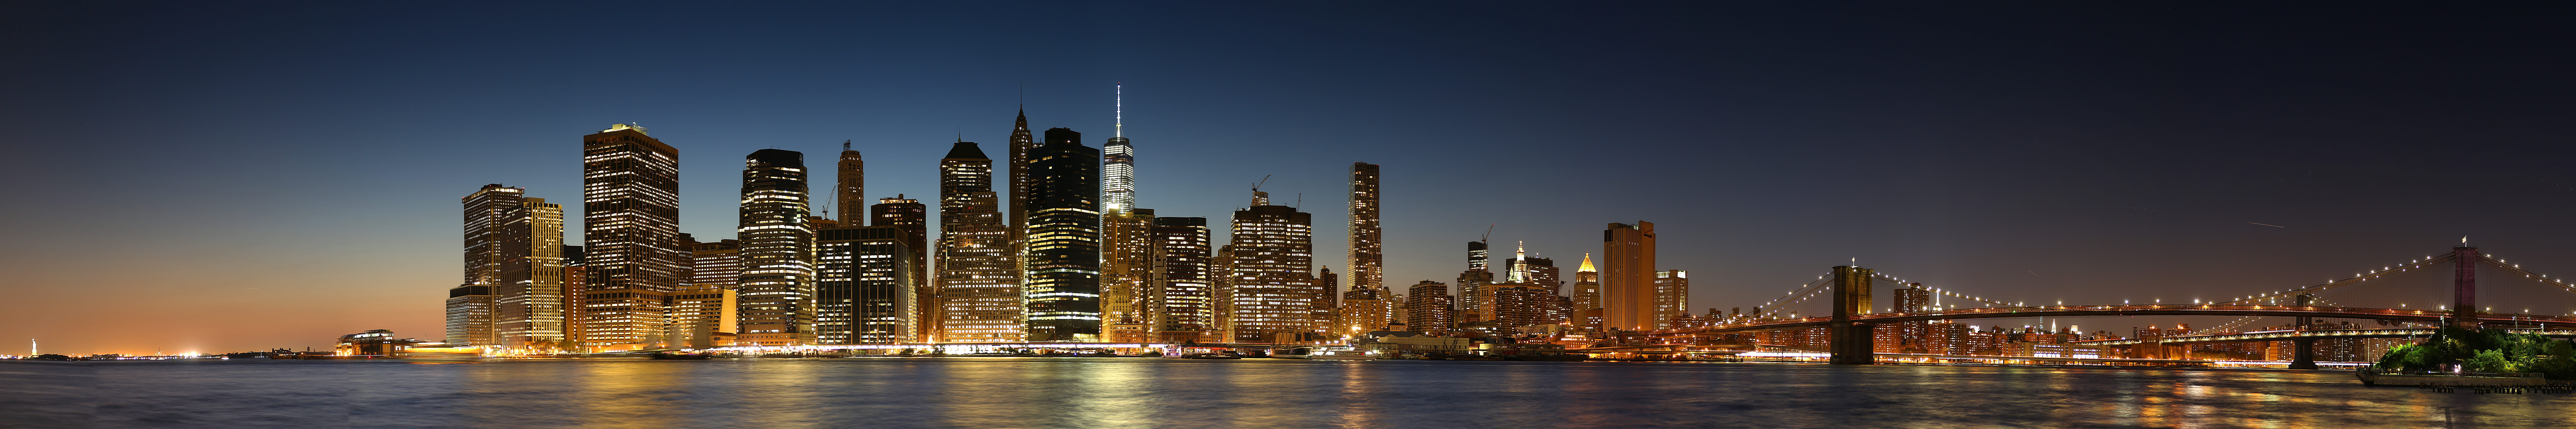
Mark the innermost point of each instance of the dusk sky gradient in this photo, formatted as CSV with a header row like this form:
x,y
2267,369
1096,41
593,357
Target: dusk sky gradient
x,y
231,177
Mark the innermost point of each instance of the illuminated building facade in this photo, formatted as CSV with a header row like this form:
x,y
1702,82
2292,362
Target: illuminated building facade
x,y
1365,309
1127,238
1179,296
1270,285
1470,291
1428,307
471,316
1913,336
530,300
850,188
979,269
630,221
702,316
866,286
1367,260
716,263
1672,297
777,282
1062,278
1628,277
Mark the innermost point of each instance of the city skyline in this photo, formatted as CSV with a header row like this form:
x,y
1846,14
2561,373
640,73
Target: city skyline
x,y
1972,176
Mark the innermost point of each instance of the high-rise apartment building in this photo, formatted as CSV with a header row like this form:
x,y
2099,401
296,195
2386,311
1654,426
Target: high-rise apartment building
x,y
1062,279
777,286
1271,285
702,316
1179,295
1367,259
1628,276
1672,297
1428,307
530,300
1913,336
979,268
867,286
631,233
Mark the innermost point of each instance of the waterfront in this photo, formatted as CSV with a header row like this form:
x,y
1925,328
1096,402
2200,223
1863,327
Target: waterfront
x,y
1138,392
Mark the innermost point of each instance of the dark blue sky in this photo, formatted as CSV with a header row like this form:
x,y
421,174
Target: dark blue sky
x,y
303,161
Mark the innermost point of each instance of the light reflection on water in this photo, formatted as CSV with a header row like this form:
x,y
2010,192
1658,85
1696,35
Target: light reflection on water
x,y
1139,392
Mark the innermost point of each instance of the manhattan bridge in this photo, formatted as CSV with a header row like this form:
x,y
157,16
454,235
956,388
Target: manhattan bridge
x,y
1850,319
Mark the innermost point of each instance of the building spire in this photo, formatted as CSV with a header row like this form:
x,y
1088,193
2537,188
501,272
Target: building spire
x,y
1587,263
1118,110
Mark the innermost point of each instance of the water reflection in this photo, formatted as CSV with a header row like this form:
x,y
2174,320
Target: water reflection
x,y
1136,392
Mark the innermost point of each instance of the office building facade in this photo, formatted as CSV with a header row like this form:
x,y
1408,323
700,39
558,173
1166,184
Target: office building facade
x,y
979,269
630,221
777,283
1271,286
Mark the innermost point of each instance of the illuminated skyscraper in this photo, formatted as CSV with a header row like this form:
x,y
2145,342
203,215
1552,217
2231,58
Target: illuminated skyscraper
x,y
1428,308
1178,291
851,192
631,224
1367,261
1628,276
471,314
1672,297
1271,285
903,213
777,286
529,302
979,269
1127,244
1062,277
1586,310
908,214
866,286
1022,144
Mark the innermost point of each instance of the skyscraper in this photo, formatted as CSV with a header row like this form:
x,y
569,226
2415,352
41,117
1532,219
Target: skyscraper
x,y
1022,144
777,286
851,191
1672,297
1586,304
1271,285
1178,292
1367,261
1428,308
631,234
1628,276
979,269
529,302
471,314
1062,277
1126,233
903,213
907,214
866,286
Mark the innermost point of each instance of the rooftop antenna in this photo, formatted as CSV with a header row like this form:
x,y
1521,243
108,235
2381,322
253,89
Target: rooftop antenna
x,y
845,144
1118,118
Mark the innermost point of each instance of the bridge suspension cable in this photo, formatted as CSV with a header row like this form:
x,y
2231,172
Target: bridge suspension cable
x,y
2355,279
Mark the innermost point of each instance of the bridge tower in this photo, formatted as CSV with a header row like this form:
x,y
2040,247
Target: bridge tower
x,y
2303,349
1850,341
2464,285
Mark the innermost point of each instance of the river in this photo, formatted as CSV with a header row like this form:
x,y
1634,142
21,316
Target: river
x,y
1068,392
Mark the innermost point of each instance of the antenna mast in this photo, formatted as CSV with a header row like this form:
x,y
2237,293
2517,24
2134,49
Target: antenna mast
x,y
1118,117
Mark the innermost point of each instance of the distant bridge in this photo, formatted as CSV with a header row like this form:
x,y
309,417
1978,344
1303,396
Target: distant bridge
x,y
1850,325
2319,334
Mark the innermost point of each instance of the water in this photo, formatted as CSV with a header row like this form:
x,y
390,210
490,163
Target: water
x,y
1174,393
